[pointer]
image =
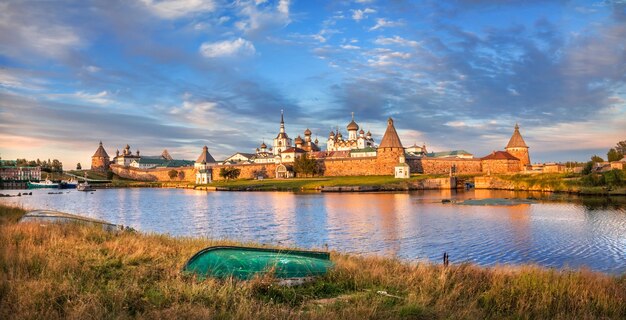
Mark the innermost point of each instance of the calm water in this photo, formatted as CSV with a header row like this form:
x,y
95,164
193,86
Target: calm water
x,y
556,232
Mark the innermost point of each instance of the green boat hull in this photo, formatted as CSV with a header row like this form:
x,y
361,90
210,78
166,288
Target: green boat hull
x,y
245,263
32,185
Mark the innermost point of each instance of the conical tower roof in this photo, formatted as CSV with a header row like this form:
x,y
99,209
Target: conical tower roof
x,y
390,139
100,152
516,140
205,156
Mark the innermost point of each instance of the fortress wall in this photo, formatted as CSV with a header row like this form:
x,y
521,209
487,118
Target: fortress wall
x,y
442,166
365,166
247,170
501,166
156,174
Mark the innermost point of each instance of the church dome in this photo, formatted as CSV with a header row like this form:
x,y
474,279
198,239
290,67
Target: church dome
x,y
332,134
307,132
263,145
362,132
352,126
298,140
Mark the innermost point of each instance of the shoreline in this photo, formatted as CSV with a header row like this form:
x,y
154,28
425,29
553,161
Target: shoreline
x,y
550,182
85,271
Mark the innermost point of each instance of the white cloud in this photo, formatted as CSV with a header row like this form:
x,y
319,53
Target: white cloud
x,y
92,69
174,9
387,58
101,98
359,14
384,23
350,47
226,48
396,40
223,19
258,19
283,7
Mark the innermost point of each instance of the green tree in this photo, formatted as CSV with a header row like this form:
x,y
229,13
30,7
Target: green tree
x,y
78,166
587,168
614,177
620,147
56,166
229,173
595,158
172,174
305,166
613,155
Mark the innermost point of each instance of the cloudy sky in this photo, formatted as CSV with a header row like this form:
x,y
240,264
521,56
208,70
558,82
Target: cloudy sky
x,y
181,74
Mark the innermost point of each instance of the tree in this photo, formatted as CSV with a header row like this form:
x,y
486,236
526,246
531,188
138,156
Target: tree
x,y
305,166
78,166
172,174
620,147
56,166
587,168
595,158
260,173
229,173
613,155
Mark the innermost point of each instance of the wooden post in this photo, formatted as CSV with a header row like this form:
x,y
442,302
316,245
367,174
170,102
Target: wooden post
x,y
445,259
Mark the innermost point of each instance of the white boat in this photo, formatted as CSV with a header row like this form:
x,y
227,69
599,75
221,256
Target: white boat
x,y
85,186
45,184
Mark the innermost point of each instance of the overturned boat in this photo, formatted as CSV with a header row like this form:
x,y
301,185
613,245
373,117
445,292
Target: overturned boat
x,y
49,216
245,263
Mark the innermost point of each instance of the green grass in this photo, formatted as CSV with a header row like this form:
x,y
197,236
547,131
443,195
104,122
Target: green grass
x,y
79,272
559,182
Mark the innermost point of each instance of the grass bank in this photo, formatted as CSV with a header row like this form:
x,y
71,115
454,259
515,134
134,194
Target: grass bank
x,y
560,182
78,272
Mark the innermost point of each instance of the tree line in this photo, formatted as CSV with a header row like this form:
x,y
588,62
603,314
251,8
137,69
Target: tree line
x,y
614,154
46,166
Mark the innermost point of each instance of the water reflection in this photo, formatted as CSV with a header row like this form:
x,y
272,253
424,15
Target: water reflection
x,y
555,230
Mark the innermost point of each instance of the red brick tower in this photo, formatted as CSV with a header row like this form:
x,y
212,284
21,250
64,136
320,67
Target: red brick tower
x,y
389,150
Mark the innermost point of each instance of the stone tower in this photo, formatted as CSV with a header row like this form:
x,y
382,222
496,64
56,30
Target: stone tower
x,y
517,147
100,160
389,150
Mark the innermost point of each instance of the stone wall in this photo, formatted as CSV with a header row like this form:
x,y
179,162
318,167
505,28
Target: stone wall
x,y
442,166
501,166
363,166
247,170
382,164
156,174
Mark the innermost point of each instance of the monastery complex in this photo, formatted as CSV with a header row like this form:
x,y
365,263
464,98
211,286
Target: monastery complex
x,y
358,154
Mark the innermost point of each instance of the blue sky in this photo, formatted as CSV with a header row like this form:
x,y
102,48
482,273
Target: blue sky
x,y
180,74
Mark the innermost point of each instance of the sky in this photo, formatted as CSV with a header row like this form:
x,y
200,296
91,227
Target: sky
x,y
182,74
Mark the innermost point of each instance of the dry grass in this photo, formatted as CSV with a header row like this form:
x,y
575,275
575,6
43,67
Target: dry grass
x,y
80,272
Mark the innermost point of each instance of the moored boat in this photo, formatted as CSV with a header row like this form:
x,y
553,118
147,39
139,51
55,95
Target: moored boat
x,y
49,216
245,263
71,184
45,184
85,186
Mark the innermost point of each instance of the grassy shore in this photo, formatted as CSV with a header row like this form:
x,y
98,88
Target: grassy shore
x,y
560,182
78,272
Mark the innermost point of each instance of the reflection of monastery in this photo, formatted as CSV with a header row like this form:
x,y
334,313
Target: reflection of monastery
x,y
356,154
